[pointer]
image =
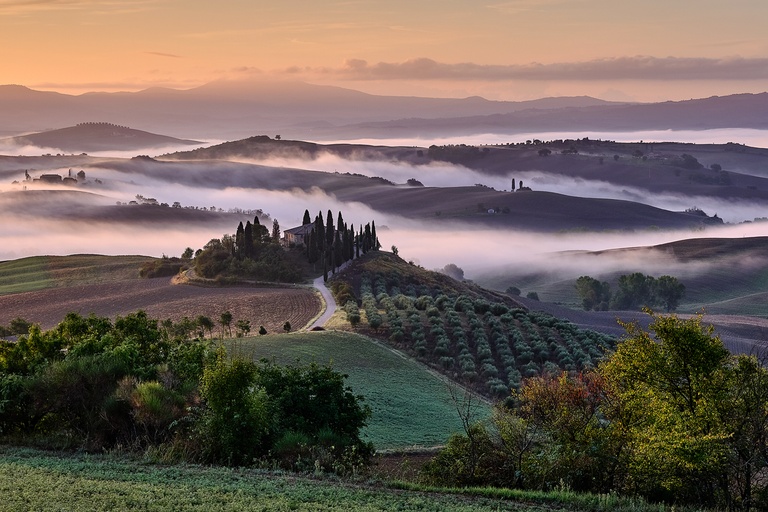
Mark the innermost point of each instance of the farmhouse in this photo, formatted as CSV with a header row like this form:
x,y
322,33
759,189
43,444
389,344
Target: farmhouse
x,y
297,235
50,178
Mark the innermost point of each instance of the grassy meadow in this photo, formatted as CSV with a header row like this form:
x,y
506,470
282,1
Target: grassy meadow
x,y
33,480
41,272
412,407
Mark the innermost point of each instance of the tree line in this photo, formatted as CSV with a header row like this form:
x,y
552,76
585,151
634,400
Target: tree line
x,y
670,415
634,291
334,245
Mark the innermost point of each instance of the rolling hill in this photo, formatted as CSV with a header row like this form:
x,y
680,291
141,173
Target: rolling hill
x,y
88,137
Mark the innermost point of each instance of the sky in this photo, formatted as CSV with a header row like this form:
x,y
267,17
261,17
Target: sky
x,y
500,49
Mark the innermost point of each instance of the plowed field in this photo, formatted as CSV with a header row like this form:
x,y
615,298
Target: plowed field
x,y
270,307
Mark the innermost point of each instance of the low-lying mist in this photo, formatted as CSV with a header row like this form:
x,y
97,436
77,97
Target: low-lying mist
x,y
65,223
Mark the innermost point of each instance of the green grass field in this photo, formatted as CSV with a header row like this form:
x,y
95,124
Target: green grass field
x,y
25,275
40,272
34,480
411,406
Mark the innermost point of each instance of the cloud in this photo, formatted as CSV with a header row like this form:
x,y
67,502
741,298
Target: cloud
x,y
13,7
617,68
518,6
161,54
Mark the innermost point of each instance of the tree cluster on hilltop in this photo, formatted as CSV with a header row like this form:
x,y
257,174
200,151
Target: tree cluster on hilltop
x,y
335,245
252,252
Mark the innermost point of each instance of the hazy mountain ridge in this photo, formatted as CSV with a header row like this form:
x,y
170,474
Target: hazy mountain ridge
x,y
299,110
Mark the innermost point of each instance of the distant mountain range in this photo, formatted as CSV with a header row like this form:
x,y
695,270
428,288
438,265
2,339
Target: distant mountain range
x,y
89,137
232,110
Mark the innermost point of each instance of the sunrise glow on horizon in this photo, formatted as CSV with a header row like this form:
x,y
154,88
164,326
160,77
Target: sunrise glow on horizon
x,y
512,50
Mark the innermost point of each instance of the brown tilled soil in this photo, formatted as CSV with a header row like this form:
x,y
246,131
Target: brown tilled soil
x,y
270,307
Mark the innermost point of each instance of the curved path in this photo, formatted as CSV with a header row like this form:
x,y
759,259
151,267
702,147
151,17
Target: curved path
x,y
330,303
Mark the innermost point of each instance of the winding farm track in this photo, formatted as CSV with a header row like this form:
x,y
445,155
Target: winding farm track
x,y
270,307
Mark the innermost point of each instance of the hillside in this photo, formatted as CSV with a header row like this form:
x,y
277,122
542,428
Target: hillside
x,y
484,340
582,167
411,406
44,289
89,137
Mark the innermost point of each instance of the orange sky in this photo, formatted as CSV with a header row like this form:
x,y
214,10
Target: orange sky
x,y
513,49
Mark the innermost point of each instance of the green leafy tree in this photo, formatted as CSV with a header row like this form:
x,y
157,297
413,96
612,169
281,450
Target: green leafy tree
x,y
204,324
226,323
670,381
592,292
635,290
236,420
242,328
668,291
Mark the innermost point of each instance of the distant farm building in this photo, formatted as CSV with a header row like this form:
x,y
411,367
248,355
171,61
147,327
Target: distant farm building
x,y
50,178
297,235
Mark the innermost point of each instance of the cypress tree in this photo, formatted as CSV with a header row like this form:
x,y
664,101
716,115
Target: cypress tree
x,y
239,240
248,240
275,231
314,251
359,242
367,238
320,232
338,251
374,239
307,219
329,231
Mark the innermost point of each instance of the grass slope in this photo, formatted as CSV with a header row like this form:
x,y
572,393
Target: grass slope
x,y
40,272
411,406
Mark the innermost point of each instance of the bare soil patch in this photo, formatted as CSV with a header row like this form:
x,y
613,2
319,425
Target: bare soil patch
x,y
270,307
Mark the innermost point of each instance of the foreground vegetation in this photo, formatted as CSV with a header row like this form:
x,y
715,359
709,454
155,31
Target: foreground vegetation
x,y
411,407
670,415
37,480
93,385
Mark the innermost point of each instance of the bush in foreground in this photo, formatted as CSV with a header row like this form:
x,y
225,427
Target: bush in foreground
x,y
93,385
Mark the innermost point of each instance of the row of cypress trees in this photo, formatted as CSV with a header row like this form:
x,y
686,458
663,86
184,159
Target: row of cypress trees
x,y
333,245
